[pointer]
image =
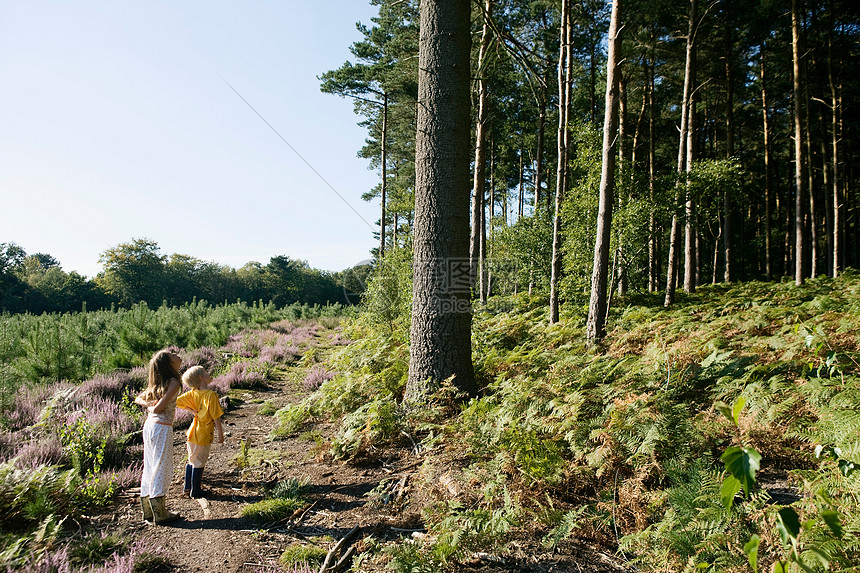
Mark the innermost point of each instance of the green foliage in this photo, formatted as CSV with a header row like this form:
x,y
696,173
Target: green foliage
x,y
272,510
298,554
96,548
77,346
388,298
648,437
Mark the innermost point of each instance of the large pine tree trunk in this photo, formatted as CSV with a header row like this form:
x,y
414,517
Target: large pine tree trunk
x,y
564,66
595,327
478,190
799,247
440,332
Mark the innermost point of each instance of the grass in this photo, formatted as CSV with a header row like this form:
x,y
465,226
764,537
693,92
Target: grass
x,y
280,503
299,554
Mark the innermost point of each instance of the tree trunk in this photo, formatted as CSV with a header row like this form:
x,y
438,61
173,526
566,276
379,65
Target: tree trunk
x,y
595,328
768,248
480,173
653,252
730,152
539,153
810,176
564,59
690,252
675,232
799,249
440,332
383,161
834,140
623,151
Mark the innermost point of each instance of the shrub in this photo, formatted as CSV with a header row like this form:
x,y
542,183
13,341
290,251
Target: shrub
x,y
315,377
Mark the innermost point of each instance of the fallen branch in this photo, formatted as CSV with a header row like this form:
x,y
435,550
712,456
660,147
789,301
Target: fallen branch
x,y
334,551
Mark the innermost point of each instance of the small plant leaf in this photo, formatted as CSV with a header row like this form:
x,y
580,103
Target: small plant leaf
x,y
738,407
831,518
724,409
779,567
731,486
751,550
822,556
742,463
788,525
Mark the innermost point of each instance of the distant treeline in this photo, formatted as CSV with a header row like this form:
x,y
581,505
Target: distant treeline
x,y
137,272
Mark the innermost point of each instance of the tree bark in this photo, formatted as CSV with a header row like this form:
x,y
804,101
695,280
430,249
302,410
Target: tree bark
x,y
690,251
730,152
834,142
383,161
564,59
440,332
768,209
596,325
539,153
799,247
653,264
675,232
480,173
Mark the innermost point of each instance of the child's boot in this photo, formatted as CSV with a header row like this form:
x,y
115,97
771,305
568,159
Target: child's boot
x,y
188,480
196,479
160,514
147,508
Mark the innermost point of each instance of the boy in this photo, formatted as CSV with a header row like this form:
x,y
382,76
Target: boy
x,y
207,416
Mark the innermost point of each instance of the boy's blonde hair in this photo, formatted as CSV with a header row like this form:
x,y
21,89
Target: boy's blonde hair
x,y
194,376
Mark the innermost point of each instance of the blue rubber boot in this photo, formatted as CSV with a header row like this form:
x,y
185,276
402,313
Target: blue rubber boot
x,y
196,478
189,475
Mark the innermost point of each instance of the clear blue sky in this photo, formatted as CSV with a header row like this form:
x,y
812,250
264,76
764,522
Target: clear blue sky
x,y
116,123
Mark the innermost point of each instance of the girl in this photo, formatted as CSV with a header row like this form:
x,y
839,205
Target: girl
x,y
159,399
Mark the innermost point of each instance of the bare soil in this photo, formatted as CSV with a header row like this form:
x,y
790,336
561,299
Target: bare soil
x,y
212,535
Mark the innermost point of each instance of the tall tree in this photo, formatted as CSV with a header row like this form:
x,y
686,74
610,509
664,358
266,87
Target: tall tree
x,y
381,78
565,66
476,261
597,305
440,331
684,141
799,157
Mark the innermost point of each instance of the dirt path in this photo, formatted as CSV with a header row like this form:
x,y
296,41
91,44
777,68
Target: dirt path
x,y
212,536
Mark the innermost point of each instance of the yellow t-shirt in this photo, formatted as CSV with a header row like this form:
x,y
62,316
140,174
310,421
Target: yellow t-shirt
x,y
206,408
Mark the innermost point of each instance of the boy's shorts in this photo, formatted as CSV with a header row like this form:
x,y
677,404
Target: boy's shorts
x,y
197,455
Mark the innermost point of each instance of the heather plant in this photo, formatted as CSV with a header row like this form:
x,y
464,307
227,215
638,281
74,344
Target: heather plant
x,y
204,356
243,374
315,377
45,451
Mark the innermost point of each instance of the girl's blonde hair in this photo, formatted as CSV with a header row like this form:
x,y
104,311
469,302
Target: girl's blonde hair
x,y
194,376
161,372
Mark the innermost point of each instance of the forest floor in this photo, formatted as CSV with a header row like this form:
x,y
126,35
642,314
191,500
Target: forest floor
x,y
213,536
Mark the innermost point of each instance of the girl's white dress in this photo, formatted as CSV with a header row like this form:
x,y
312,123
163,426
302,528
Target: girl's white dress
x,y
158,452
